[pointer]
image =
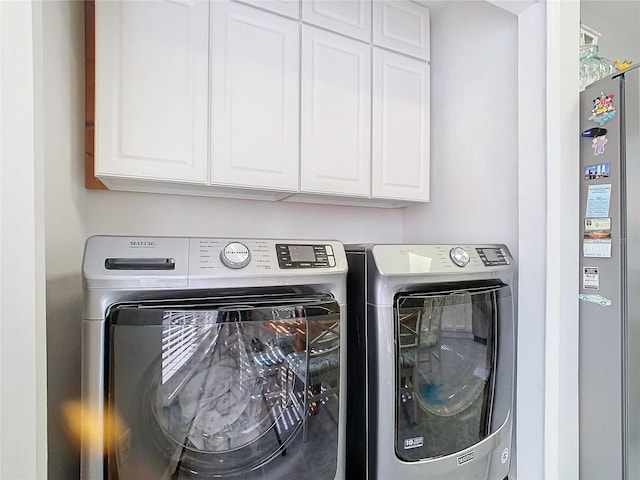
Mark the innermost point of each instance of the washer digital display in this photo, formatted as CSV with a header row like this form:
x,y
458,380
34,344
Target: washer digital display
x,y
492,257
302,253
305,256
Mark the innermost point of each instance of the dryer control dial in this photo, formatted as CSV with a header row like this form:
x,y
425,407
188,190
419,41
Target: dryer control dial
x,y
459,256
235,255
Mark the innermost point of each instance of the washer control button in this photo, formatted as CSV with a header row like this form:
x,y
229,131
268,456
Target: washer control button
x,y
459,256
235,255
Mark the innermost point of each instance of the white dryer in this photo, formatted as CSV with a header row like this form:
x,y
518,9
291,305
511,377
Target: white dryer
x,y
431,353
214,358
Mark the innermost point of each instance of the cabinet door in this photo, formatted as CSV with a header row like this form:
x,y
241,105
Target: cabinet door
x,y
152,90
402,26
400,127
289,8
336,114
255,90
349,17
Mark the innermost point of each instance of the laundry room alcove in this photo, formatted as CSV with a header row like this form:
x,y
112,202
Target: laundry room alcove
x,y
474,148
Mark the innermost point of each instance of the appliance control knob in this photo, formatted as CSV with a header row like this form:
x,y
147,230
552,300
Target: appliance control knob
x,y
459,256
235,255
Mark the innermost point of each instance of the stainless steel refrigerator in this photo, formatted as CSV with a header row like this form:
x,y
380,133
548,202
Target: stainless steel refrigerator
x,y
609,364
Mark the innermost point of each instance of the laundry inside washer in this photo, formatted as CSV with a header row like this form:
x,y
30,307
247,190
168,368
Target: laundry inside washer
x,y
236,380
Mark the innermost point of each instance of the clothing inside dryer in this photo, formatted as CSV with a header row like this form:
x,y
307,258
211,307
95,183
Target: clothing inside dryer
x,y
223,389
446,360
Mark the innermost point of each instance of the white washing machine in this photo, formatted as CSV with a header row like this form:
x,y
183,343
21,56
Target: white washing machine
x,y
213,358
431,353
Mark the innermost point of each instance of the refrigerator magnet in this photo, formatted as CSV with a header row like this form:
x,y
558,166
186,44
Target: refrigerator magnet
x,y
597,299
596,240
590,278
593,132
598,144
597,225
603,109
596,171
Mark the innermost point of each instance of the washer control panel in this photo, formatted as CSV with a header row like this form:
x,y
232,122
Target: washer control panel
x,y
235,255
462,259
492,257
459,256
294,255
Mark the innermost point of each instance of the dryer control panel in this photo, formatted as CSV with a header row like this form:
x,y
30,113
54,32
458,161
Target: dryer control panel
x,y
200,262
492,257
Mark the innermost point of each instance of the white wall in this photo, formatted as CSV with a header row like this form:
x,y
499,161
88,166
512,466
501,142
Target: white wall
x,y
157,214
562,246
474,128
65,213
532,237
22,303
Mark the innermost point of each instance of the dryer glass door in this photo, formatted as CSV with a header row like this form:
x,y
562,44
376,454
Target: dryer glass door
x,y
446,368
238,387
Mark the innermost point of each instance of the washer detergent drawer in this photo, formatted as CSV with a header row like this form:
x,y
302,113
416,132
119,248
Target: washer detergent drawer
x,y
452,390
232,387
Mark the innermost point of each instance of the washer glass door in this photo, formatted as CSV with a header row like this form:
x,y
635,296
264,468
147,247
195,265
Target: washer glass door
x,y
235,387
446,369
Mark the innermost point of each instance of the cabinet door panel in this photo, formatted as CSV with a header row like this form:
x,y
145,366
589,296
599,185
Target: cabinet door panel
x,y
402,26
336,114
289,8
151,95
349,17
255,85
401,127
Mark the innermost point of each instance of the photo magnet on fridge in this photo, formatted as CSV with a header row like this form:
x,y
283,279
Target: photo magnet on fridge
x,y
598,170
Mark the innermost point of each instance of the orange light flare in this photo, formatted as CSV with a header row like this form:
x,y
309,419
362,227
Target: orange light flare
x,y
92,427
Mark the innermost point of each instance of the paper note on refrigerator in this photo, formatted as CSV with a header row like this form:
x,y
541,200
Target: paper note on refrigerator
x,y
598,199
590,278
596,249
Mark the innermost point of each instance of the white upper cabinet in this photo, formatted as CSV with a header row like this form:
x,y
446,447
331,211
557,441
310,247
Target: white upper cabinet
x,y
152,90
255,98
265,99
289,8
336,114
349,17
401,127
402,26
